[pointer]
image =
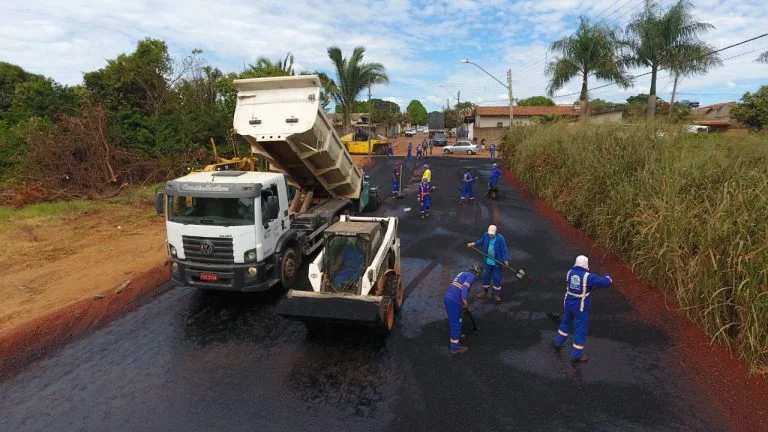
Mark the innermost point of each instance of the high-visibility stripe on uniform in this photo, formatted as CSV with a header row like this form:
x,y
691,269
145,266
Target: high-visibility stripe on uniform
x,y
584,294
497,288
456,284
454,341
562,333
578,347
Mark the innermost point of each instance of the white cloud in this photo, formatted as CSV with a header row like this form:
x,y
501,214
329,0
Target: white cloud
x,y
420,43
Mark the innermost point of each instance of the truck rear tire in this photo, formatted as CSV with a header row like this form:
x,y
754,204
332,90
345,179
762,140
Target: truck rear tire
x,y
289,267
386,316
395,290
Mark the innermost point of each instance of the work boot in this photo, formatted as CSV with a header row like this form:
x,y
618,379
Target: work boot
x,y
582,359
497,299
482,295
463,336
461,350
556,346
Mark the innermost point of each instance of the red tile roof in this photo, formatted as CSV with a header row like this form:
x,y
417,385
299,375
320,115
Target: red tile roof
x,y
527,111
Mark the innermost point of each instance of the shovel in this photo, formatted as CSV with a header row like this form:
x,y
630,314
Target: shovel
x,y
471,318
520,274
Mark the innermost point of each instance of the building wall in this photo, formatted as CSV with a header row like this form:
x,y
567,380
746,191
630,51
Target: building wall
x,y
604,118
491,135
492,122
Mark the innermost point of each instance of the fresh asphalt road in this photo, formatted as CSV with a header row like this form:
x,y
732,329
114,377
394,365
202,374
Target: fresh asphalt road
x,y
195,361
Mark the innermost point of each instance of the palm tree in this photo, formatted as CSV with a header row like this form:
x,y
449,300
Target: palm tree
x,y
763,57
352,76
656,37
264,67
695,60
591,51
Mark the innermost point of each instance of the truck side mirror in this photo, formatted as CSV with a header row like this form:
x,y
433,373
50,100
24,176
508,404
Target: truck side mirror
x,y
159,203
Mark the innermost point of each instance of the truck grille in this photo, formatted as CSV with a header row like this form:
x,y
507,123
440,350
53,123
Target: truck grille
x,y
197,249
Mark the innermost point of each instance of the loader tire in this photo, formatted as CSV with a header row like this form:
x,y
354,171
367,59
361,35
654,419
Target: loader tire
x,y
386,316
395,289
289,268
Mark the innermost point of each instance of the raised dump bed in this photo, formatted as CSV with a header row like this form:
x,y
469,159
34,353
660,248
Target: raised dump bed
x,y
282,120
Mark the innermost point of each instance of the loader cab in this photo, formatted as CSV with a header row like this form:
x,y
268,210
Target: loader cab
x,y
349,249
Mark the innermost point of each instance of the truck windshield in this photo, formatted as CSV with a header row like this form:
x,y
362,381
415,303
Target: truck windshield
x,y
345,262
211,211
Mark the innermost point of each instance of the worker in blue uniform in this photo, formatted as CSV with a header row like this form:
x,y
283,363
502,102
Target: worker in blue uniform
x,y
349,264
493,245
579,283
424,198
493,180
493,151
455,301
396,180
418,152
466,188
389,149
410,149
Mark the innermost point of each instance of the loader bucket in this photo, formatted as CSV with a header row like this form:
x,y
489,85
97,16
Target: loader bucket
x,y
330,307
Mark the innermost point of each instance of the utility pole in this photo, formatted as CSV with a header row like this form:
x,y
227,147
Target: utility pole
x,y
458,114
370,118
509,87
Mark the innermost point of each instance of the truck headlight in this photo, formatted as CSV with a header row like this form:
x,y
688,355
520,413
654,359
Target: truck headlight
x,y
172,250
250,255
252,271
175,268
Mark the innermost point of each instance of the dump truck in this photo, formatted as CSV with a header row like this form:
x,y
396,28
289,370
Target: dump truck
x,y
247,230
355,278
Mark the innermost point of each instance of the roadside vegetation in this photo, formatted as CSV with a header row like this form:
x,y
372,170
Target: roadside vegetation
x,y
689,212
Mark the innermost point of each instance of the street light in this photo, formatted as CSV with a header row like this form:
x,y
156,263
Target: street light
x,y
508,86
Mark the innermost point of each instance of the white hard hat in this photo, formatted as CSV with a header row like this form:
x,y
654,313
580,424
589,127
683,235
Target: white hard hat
x,y
582,261
492,229
494,165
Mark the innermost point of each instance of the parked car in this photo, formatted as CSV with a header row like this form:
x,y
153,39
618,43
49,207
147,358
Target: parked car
x,y
410,132
440,139
462,147
425,130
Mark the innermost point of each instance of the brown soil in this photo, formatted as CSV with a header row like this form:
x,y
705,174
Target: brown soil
x,y
50,262
63,276
723,378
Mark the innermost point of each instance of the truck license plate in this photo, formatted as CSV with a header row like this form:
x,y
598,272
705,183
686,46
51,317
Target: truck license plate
x,y
209,277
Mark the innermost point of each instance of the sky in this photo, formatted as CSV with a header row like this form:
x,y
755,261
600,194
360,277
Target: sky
x,y
420,43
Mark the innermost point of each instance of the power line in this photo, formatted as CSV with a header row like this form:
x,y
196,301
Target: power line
x,y
663,68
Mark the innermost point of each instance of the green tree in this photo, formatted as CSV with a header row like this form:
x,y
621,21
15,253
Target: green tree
x,y
656,36
264,67
417,114
452,118
140,81
763,58
752,112
42,97
355,107
352,76
697,59
599,105
593,50
10,76
536,101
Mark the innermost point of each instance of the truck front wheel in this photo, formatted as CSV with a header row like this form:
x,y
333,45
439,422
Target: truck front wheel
x,y
289,267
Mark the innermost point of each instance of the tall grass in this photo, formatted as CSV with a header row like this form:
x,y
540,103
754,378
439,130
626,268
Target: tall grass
x,y
688,212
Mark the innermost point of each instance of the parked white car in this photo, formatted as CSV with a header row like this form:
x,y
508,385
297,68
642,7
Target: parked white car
x,y
462,147
410,132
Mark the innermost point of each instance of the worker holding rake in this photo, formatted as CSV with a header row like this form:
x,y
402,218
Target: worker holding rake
x,y
494,247
579,284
